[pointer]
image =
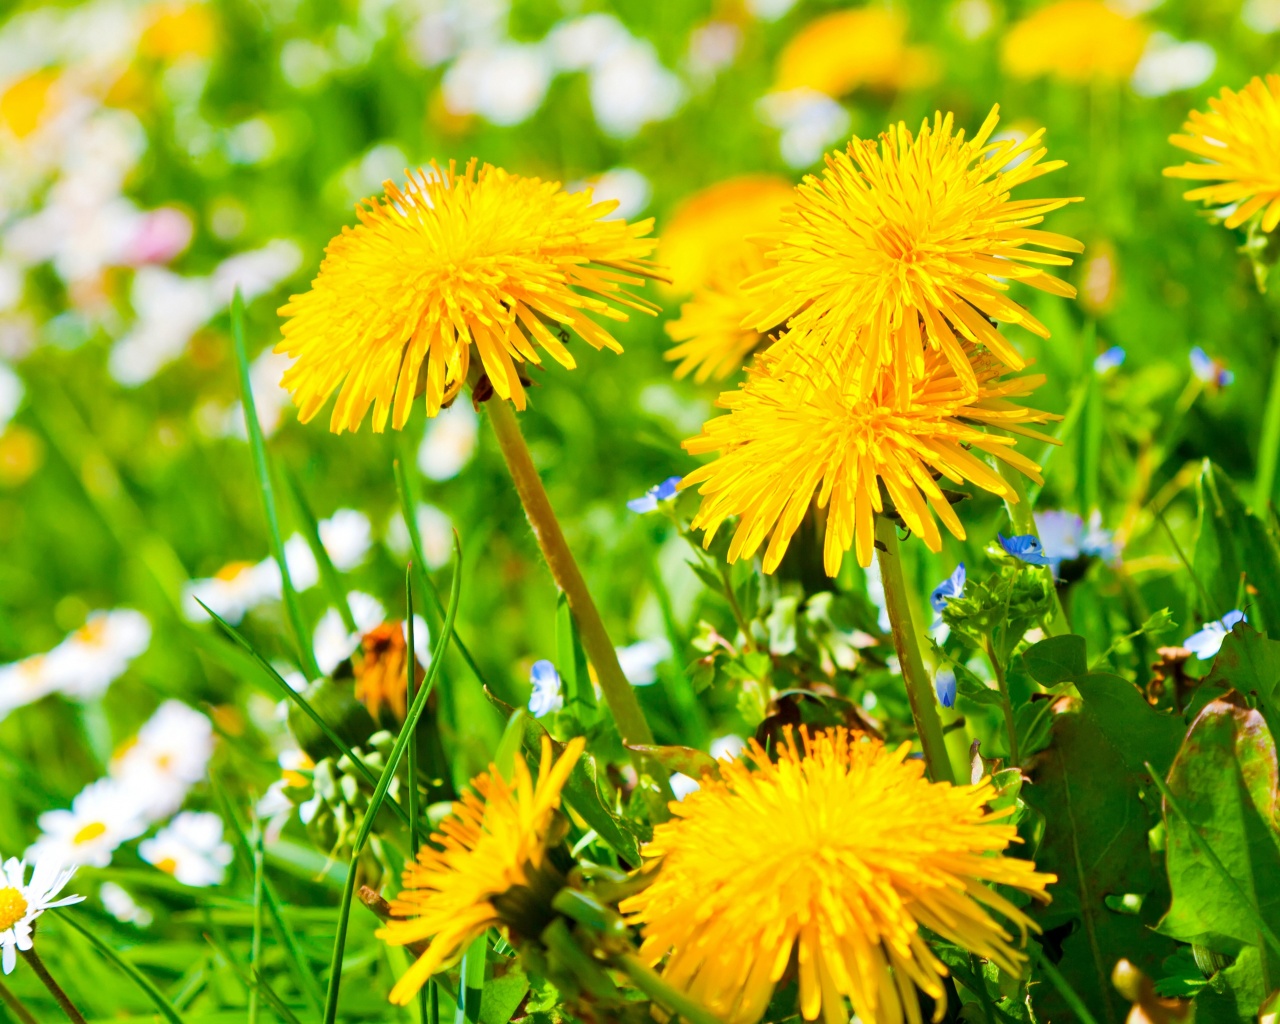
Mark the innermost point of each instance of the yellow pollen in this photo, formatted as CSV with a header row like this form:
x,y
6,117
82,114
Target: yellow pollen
x,y
231,570
93,633
169,866
89,833
13,907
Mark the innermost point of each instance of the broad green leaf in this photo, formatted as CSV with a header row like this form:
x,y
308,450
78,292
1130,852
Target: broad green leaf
x,y
1250,663
1057,659
1233,541
1224,781
684,760
1233,995
1120,712
503,994
1095,841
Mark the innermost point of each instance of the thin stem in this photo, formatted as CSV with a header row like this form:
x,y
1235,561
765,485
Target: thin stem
x,y
564,570
1022,516
1269,450
411,752
1005,705
734,607
15,1006
648,981
42,972
255,948
1068,994
907,643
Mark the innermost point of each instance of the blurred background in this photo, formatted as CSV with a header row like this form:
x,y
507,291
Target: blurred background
x,y
155,156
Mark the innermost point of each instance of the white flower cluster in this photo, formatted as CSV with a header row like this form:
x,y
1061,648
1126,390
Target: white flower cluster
x,y
239,587
82,666
146,784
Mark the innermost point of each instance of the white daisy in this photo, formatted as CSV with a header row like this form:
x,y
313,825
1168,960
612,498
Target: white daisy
x,y
449,442
190,848
96,654
102,816
21,902
25,682
232,591
333,643
347,537
170,755
434,528
123,907
640,661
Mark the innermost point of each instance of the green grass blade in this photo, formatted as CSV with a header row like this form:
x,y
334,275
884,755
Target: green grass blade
x,y
1269,450
412,753
1069,995
384,783
1250,905
166,1008
291,694
471,982
263,470
311,530
255,947
302,972
408,507
255,985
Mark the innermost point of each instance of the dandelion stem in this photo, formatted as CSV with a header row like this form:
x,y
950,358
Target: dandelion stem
x,y
907,643
15,1006
618,692
42,972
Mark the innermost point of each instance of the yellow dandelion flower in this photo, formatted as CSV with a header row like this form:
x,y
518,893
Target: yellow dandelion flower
x,y
709,336
380,670
1075,41
483,257
1240,137
179,30
28,103
714,227
831,860
846,50
907,245
495,840
807,431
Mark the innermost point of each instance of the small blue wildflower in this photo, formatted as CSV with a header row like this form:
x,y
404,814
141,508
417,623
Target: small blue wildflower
x,y
1111,359
648,502
1206,643
1026,548
1210,370
1097,542
546,696
945,685
952,586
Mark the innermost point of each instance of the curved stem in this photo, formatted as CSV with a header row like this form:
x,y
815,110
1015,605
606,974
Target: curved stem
x,y
15,1006
42,972
907,643
1005,704
1021,515
618,693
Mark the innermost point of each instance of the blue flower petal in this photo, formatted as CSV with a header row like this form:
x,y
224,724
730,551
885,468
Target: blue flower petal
x,y
1025,548
1109,360
546,696
945,685
647,503
952,586
666,490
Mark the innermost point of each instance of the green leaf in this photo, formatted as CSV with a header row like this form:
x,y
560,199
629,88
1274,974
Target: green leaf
x,y
685,760
503,995
1095,841
571,659
1120,712
1058,659
1250,663
166,1008
1232,542
1224,782
1234,994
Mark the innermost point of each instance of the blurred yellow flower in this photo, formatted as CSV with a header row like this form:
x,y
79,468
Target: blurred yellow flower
x,y
175,31
714,227
380,670
1240,137
790,435
21,453
495,839
907,246
710,339
485,257
847,50
1076,41
836,857
26,104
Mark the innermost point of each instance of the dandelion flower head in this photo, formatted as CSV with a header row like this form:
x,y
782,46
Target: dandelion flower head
x,y
834,858
495,840
791,435
483,257
1077,41
1240,140
908,244
710,341
845,50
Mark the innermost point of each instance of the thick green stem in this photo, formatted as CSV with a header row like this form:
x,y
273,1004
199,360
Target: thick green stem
x,y
42,972
1005,704
1021,515
907,643
618,693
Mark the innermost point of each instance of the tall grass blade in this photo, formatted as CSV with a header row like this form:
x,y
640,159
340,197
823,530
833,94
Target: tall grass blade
x,y
166,1008
307,657
291,694
256,984
255,947
412,753
1269,450
311,530
407,731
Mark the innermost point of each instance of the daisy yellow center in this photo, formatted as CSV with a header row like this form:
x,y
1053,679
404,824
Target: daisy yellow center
x,y
168,865
92,633
13,907
89,833
231,570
